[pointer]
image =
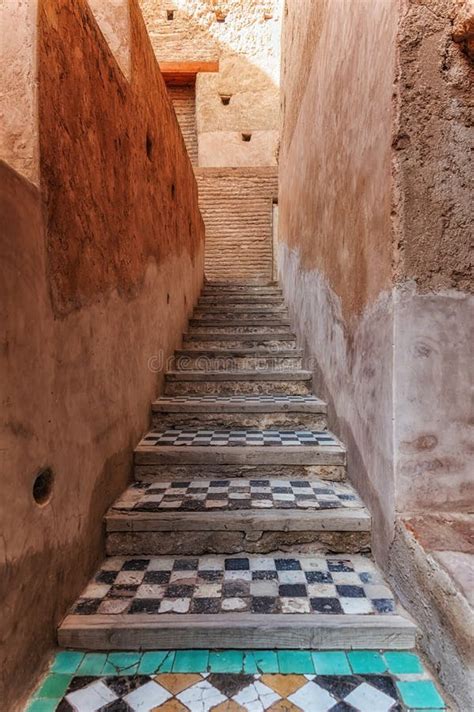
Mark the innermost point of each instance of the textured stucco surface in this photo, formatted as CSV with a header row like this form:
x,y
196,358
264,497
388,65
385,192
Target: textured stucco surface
x,y
247,45
18,108
375,215
100,271
113,19
433,142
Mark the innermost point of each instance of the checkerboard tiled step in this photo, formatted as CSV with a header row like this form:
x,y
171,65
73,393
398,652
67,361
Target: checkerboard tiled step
x,y
230,452
296,382
250,411
280,601
205,516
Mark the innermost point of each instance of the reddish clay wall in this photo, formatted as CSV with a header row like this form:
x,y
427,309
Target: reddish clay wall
x,y
100,270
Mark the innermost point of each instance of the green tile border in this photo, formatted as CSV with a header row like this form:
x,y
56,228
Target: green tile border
x,y
414,683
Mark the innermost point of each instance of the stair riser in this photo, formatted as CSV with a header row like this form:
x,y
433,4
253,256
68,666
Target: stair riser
x,y
180,388
176,632
247,290
254,316
197,543
231,328
236,308
165,472
240,300
262,421
232,363
241,343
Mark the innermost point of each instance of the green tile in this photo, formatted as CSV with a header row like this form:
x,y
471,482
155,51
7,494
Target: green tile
x,y
53,686
156,661
295,661
331,662
191,661
121,664
420,695
366,662
229,661
67,661
263,661
92,664
402,663
42,705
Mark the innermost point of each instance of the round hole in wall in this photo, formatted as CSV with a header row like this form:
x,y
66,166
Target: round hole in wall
x,y
149,145
43,486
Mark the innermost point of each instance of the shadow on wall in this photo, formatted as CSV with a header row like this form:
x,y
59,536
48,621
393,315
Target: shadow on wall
x,y
100,269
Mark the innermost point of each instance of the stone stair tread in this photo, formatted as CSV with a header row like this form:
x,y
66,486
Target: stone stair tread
x,y
239,504
277,600
265,353
240,375
238,321
252,403
256,336
239,437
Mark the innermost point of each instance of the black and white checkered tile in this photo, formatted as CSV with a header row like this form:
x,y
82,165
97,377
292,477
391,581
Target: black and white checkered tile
x,y
217,584
237,494
255,399
217,691
239,437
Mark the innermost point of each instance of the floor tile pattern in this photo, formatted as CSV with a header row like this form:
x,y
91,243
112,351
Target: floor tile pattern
x,y
236,681
239,437
218,585
256,399
237,494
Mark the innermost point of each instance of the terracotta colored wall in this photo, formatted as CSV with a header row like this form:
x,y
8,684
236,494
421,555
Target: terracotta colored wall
x,y
335,222
100,270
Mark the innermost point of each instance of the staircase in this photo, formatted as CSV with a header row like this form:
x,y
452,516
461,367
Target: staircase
x,y
241,529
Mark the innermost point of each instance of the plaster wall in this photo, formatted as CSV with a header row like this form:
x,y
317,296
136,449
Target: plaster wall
x,y
100,270
245,37
18,102
335,224
113,19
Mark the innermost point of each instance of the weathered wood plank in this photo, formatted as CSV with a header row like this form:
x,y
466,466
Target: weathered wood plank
x,y
272,520
248,631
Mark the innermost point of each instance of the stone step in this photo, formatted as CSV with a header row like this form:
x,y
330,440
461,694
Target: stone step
x,y
250,602
234,359
234,288
221,305
205,315
240,299
277,340
237,327
249,453
205,516
242,411
297,382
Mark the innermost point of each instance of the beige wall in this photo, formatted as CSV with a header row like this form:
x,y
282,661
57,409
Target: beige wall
x,y
247,45
100,270
335,222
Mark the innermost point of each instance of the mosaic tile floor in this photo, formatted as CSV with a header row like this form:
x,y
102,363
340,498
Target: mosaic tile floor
x,y
237,494
239,437
236,681
219,584
257,399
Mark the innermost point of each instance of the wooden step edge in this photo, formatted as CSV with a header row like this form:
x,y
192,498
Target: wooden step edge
x,y
166,406
232,455
233,630
342,520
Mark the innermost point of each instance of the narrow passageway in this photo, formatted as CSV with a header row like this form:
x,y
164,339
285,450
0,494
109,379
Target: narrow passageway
x,y
236,292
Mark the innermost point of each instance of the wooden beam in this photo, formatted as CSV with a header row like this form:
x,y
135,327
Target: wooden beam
x,y
185,72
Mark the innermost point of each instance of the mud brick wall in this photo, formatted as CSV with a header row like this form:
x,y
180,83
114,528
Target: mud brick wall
x,y
236,204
